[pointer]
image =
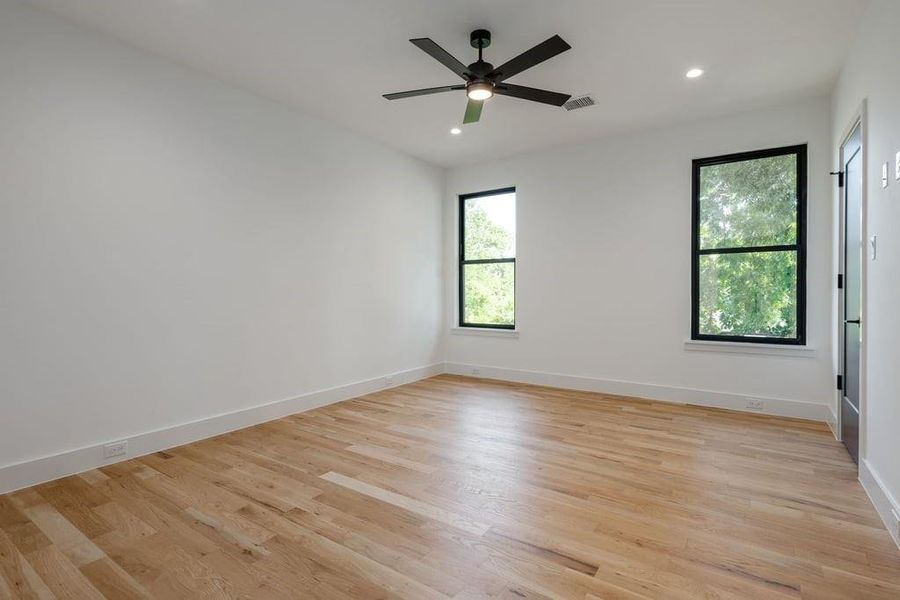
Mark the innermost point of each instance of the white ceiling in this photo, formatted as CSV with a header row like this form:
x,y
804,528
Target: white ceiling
x,y
334,58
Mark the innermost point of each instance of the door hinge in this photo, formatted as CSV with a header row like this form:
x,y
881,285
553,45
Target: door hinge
x,y
840,281
840,175
840,382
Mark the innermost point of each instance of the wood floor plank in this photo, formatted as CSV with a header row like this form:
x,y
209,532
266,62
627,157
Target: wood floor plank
x,y
468,489
64,535
407,503
17,577
113,581
21,530
385,455
63,579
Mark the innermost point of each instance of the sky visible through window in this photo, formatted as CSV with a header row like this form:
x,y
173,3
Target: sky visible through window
x,y
501,211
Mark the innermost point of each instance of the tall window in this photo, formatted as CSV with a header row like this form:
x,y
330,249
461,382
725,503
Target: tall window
x,y
749,247
487,259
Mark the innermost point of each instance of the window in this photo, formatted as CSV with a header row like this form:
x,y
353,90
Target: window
x,y
749,247
487,259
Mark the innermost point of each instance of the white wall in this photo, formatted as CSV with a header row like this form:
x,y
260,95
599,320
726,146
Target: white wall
x,y
871,74
172,248
604,259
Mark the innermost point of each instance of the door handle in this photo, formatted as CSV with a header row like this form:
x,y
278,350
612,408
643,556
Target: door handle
x,y
849,321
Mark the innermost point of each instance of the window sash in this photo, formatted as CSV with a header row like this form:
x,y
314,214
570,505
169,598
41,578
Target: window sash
x,y
749,249
488,261
800,151
480,261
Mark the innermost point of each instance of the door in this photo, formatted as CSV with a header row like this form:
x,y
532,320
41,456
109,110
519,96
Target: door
x,y
851,317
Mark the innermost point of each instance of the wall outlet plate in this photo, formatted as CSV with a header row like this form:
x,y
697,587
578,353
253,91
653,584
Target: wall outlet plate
x,y
897,166
755,404
115,449
873,247
884,175
476,371
389,380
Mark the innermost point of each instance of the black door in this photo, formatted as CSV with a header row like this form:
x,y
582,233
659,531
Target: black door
x,y
853,254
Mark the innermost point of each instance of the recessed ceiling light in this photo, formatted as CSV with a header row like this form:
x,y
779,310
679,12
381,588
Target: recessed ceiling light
x,y
694,73
456,131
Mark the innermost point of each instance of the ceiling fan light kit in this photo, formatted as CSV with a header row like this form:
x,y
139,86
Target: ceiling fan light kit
x,y
483,81
480,90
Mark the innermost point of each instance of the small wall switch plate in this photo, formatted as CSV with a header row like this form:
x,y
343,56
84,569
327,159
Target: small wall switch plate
x,y
884,175
755,404
897,166
873,247
115,449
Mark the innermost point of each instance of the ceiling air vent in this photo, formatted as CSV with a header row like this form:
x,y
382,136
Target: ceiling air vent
x,y
579,102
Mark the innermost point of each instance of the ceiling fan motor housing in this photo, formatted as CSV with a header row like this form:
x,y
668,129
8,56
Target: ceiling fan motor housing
x,y
479,69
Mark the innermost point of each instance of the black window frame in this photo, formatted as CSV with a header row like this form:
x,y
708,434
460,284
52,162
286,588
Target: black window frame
x,y
800,151
463,262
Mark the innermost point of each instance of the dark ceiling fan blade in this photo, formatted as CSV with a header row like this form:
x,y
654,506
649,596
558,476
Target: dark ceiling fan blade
x,y
543,51
442,56
423,92
533,94
473,111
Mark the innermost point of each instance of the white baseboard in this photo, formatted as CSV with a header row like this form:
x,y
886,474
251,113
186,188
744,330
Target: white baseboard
x,y
881,498
39,470
771,406
24,474
833,422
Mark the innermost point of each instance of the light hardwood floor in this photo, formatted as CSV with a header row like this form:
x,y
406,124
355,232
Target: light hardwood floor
x,y
464,488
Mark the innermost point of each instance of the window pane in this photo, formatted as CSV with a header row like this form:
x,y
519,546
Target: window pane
x,y
752,294
749,203
490,227
489,294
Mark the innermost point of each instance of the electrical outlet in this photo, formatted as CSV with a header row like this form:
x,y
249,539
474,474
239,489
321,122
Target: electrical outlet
x,y
754,404
115,449
884,175
873,247
476,371
389,380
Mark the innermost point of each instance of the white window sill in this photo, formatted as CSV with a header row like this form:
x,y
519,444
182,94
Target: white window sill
x,y
485,332
749,348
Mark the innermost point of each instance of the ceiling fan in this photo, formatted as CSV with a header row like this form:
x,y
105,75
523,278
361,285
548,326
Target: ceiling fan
x,y
482,80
